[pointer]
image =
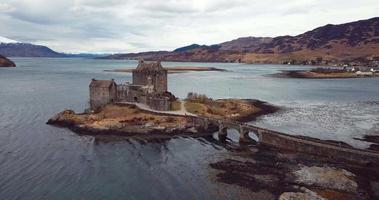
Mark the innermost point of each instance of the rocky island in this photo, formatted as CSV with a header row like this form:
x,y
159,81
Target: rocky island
x,y
145,108
124,119
5,62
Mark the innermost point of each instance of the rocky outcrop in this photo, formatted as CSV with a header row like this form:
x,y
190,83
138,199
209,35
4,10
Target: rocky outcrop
x,y
128,121
326,177
305,194
5,62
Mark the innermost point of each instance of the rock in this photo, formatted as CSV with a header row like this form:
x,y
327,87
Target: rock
x,y
306,194
5,62
149,124
67,117
192,129
326,177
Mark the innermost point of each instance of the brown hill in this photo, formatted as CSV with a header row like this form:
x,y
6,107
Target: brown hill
x,y
352,43
5,62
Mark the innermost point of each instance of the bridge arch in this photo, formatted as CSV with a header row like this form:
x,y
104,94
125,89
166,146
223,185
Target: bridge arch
x,y
241,128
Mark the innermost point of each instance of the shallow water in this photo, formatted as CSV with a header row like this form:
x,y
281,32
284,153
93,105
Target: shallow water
x,y
38,161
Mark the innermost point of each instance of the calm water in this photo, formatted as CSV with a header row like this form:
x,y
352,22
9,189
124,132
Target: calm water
x,y
38,161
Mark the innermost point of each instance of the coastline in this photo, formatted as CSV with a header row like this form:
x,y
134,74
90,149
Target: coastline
x,y
303,74
183,126
6,62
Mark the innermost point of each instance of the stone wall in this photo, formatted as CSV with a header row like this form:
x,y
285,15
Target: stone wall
x,y
137,94
159,103
319,148
312,146
101,96
156,78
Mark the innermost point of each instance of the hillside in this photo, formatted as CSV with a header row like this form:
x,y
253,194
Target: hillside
x,y
350,43
27,50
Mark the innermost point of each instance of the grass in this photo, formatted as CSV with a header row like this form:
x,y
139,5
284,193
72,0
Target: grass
x,y
176,105
196,108
229,108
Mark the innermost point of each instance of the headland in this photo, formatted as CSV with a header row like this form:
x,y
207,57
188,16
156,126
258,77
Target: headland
x,y
329,73
5,62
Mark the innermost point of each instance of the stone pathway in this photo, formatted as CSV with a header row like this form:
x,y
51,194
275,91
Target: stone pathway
x,y
182,110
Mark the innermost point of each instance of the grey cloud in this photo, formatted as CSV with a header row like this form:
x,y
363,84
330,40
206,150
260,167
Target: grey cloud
x,y
129,25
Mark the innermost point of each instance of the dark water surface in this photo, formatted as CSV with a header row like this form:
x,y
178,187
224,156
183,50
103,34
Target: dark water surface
x,y
38,161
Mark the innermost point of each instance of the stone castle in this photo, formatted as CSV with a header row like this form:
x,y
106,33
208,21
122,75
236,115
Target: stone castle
x,y
149,87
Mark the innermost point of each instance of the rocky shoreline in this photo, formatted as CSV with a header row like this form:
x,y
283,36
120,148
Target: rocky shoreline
x,y
315,75
63,119
292,175
5,62
129,120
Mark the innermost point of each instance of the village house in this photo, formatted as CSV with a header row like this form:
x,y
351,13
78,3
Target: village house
x,y
149,87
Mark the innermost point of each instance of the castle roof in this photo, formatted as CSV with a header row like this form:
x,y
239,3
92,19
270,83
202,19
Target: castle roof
x,y
149,66
101,83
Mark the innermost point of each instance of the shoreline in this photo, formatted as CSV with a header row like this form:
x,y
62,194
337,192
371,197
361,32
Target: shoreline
x,y
265,109
303,74
6,62
183,127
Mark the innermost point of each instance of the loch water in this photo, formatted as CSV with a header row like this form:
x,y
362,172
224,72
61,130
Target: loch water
x,y
39,161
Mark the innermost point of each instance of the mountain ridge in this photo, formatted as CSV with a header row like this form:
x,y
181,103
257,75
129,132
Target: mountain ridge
x,y
27,50
353,43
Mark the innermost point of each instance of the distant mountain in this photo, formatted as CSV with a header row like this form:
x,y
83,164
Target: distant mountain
x,y
135,56
5,62
86,55
27,50
7,40
187,48
12,48
245,44
353,43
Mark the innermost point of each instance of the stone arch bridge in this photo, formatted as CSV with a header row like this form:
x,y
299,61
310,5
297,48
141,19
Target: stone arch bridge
x,y
285,141
313,146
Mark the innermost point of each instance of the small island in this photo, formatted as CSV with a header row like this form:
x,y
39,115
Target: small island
x,y
5,62
177,69
326,73
145,108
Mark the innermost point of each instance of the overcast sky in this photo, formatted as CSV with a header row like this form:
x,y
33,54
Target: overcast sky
x,y
132,26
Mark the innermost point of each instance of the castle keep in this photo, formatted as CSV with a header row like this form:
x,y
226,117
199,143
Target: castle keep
x,y
149,87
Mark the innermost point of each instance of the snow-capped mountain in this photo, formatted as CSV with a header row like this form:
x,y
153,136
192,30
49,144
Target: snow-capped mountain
x,y
7,40
13,48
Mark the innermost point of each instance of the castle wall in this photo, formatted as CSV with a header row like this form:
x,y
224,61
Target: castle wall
x,y
156,78
122,92
101,96
159,103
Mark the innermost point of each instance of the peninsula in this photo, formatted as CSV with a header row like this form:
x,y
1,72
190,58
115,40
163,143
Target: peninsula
x,y
5,62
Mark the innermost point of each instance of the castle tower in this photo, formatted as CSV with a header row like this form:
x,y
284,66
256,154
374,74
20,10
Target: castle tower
x,y
151,73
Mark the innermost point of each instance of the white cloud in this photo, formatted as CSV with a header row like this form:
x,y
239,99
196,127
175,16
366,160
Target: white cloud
x,y
129,25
